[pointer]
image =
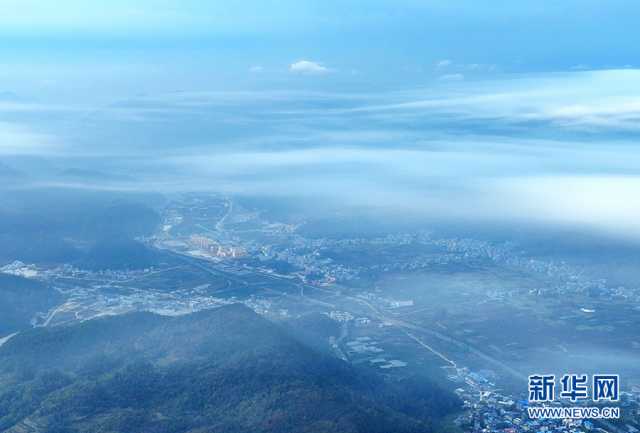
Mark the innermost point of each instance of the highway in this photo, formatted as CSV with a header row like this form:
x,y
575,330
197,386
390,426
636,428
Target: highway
x,y
407,327
410,329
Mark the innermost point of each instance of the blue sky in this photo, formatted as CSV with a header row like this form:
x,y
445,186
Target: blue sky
x,y
389,42
524,110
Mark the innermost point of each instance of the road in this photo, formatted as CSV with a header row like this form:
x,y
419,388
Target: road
x,y
4,340
220,224
409,328
204,265
52,315
405,325
431,349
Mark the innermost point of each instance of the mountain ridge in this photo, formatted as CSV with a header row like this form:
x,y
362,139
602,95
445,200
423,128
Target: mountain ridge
x,y
223,370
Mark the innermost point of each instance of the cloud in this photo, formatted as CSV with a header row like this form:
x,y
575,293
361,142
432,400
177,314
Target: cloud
x,y
479,67
442,64
256,69
580,67
451,77
20,140
621,114
608,204
505,183
28,107
308,67
455,151
455,69
594,102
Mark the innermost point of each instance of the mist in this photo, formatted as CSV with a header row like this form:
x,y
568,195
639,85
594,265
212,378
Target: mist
x,y
446,150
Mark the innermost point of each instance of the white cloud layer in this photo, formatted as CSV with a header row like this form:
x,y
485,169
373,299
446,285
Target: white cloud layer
x,y
308,67
543,149
542,183
592,100
609,204
20,140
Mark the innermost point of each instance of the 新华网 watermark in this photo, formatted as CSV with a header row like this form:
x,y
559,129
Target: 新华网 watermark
x,y
575,388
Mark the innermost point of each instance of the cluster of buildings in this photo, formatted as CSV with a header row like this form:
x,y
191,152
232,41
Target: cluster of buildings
x,y
214,248
20,269
307,257
340,316
265,307
63,272
109,275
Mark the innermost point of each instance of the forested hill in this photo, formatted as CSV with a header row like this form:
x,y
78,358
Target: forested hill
x,y
20,300
223,370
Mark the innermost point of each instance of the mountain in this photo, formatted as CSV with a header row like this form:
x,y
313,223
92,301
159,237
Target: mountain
x,y
121,254
20,300
223,370
35,247
82,174
52,226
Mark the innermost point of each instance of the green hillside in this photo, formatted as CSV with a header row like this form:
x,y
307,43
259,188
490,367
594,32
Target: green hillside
x,y
224,370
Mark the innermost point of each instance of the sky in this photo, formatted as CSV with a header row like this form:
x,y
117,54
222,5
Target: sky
x,y
495,110
193,43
